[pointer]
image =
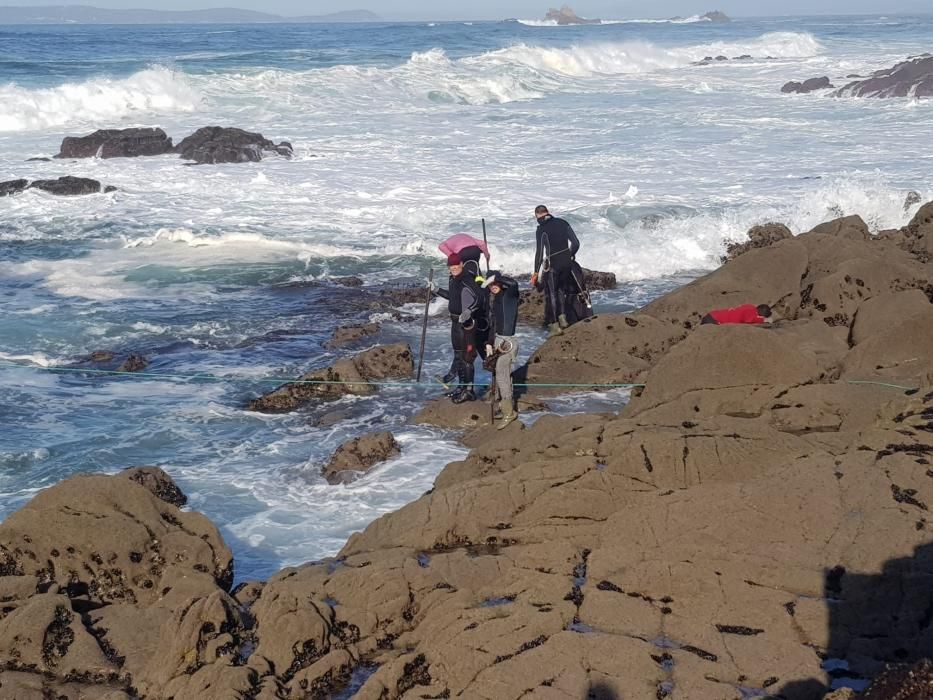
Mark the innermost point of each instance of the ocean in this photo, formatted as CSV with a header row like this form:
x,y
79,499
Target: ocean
x,y
403,135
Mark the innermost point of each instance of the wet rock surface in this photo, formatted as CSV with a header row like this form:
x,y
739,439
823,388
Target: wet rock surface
x,y
347,376
116,143
357,456
910,78
753,524
12,187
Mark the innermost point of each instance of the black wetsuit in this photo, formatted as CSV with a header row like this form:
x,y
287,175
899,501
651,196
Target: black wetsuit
x,y
503,309
463,293
556,245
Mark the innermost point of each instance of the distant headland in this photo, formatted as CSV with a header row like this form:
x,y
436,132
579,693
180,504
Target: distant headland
x,y
82,14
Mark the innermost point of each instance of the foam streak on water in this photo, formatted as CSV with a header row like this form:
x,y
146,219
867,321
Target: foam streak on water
x,y
403,134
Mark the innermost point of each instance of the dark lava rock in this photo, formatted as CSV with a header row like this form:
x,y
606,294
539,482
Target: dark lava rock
x,y
12,187
397,296
116,143
807,85
39,159
158,482
70,186
108,361
760,236
913,198
360,455
345,335
216,144
348,281
912,78
596,281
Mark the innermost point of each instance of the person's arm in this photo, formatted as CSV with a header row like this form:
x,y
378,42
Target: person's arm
x,y
469,302
539,250
442,293
574,242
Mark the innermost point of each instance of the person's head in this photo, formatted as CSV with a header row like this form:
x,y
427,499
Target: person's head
x,y
541,213
454,265
763,310
492,283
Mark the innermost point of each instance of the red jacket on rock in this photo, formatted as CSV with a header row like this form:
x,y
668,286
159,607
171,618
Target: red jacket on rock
x,y
746,313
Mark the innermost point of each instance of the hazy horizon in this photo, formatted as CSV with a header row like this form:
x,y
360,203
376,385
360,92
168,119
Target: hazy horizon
x,y
492,10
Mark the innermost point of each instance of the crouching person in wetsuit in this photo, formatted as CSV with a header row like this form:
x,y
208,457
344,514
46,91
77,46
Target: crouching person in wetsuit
x,y
502,346
464,296
555,247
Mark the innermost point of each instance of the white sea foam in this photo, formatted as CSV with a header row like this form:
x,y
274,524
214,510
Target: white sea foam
x,y
157,90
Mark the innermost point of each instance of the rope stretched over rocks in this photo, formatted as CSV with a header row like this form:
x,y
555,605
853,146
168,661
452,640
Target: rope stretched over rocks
x,y
202,376
206,377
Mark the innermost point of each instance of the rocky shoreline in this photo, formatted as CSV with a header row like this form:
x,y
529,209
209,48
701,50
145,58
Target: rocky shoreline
x,y
753,523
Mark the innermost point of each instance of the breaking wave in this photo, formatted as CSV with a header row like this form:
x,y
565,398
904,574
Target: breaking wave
x,y
519,72
154,90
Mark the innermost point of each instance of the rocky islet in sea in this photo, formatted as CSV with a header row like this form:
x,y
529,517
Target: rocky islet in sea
x,y
756,518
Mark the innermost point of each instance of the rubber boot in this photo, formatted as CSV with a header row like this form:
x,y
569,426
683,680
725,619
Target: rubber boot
x,y
508,416
554,330
562,321
464,395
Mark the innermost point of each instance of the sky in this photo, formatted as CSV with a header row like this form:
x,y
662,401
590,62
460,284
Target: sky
x,y
500,9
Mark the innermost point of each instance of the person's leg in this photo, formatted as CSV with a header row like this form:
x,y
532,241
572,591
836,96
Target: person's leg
x,y
565,287
552,303
504,382
467,367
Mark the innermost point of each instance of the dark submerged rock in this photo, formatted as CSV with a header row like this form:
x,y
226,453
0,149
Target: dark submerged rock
x,y
346,335
116,143
12,187
70,186
807,85
216,144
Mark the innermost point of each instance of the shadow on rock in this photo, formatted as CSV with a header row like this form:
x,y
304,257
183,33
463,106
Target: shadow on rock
x,y
874,620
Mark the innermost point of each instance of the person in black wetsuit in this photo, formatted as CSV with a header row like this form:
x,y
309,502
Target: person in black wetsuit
x,y
502,345
464,302
556,245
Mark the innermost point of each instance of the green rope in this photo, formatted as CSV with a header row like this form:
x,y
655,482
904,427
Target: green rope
x,y
201,376
889,386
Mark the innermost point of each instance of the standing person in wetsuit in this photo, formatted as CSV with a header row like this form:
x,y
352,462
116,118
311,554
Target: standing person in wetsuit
x,y
502,346
464,297
555,247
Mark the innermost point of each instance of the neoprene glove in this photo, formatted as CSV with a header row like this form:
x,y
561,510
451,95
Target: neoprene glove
x,y
432,285
465,316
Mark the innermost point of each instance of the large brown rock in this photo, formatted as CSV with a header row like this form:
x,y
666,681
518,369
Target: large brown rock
x,y
116,143
918,234
351,376
107,540
760,236
359,455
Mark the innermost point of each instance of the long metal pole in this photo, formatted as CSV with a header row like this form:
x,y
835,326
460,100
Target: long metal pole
x,y
486,244
424,323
